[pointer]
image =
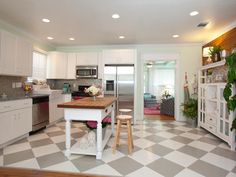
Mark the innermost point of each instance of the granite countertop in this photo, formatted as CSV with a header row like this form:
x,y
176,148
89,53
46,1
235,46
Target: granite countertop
x,y
89,103
22,97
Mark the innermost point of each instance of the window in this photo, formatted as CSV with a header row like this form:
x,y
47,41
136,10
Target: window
x,y
39,66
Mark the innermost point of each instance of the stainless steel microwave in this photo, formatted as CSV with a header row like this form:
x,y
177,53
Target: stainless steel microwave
x,y
89,72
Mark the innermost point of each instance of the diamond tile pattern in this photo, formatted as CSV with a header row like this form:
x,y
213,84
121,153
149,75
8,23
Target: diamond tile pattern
x,y
162,149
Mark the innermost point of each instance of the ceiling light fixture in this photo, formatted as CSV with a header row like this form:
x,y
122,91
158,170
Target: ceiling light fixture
x,y
115,16
45,20
194,13
71,39
175,36
50,38
121,37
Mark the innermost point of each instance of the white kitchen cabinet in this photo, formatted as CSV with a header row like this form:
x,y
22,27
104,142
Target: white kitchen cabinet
x,y
56,97
87,58
119,56
213,114
71,65
56,65
24,57
15,119
8,53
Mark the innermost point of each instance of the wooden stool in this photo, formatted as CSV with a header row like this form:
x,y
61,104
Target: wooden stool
x,y
124,119
125,111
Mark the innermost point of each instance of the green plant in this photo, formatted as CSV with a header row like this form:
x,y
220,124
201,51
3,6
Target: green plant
x,y
231,81
190,108
215,50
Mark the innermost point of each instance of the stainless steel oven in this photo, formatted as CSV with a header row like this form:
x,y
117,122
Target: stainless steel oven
x,y
89,72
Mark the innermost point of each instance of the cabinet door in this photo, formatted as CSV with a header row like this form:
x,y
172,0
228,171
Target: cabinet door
x,y
24,58
223,122
22,122
202,105
71,65
87,58
6,126
57,65
119,56
8,53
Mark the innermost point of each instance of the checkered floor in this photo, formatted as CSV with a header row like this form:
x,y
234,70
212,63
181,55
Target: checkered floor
x,y
162,149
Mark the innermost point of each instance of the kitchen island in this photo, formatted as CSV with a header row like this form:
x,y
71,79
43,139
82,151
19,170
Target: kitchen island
x,y
84,110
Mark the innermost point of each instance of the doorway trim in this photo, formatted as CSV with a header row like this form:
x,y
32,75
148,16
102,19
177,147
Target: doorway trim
x,y
163,57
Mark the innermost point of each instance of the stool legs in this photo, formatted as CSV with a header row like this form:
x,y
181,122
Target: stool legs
x,y
117,136
130,139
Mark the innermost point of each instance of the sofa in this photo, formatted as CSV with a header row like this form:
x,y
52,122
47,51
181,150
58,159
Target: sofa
x,y
149,100
168,106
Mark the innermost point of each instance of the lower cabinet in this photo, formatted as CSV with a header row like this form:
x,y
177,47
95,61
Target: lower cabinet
x,y
15,123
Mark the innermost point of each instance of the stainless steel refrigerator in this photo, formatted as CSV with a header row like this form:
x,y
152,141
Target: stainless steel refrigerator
x,y
119,82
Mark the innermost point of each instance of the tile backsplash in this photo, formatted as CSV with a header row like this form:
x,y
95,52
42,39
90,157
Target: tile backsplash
x,y
58,84
6,86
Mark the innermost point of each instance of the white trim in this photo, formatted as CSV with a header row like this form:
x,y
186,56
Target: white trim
x,y
167,57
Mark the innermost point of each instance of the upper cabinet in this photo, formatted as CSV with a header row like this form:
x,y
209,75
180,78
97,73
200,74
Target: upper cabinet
x,y
16,55
119,56
56,65
87,58
71,64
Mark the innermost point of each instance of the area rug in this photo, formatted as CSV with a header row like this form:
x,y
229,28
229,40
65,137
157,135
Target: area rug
x,y
151,111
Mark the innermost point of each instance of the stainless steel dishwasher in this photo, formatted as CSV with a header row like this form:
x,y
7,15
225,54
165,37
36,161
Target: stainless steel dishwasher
x,y
40,111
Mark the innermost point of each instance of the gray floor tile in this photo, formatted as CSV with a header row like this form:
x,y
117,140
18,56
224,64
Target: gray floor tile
x,y
155,138
62,145
17,157
159,150
56,133
51,159
1,151
210,141
165,167
175,131
41,142
123,148
170,125
86,162
225,153
125,165
78,135
152,130
198,131
182,139
207,169
192,151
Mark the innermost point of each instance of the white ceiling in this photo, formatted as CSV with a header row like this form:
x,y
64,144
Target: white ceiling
x,y
141,22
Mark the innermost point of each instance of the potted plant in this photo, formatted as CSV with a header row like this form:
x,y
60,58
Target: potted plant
x,y
229,96
215,53
190,111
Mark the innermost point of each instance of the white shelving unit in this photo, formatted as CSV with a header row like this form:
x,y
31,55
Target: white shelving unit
x,y
213,114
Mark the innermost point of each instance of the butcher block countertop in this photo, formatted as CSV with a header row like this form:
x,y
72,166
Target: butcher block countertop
x,y
89,103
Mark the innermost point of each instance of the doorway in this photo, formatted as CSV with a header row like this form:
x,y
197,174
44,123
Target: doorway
x,y
159,89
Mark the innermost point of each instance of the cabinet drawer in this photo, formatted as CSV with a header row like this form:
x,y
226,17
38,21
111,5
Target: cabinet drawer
x,y
211,128
14,105
211,120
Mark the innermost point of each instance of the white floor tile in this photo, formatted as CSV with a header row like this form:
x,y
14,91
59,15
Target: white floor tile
x,y
166,134
162,127
36,137
52,129
63,167
219,161
143,143
108,156
201,145
186,129
178,123
191,136
180,158
144,157
58,139
231,174
16,148
75,130
141,134
144,172
103,170
44,150
171,144
188,173
30,163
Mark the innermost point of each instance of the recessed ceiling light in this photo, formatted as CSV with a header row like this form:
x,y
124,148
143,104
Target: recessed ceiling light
x,y
175,36
50,38
115,16
45,20
71,39
121,37
193,13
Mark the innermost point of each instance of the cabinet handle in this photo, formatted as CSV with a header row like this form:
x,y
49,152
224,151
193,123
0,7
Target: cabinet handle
x,y
106,111
210,118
